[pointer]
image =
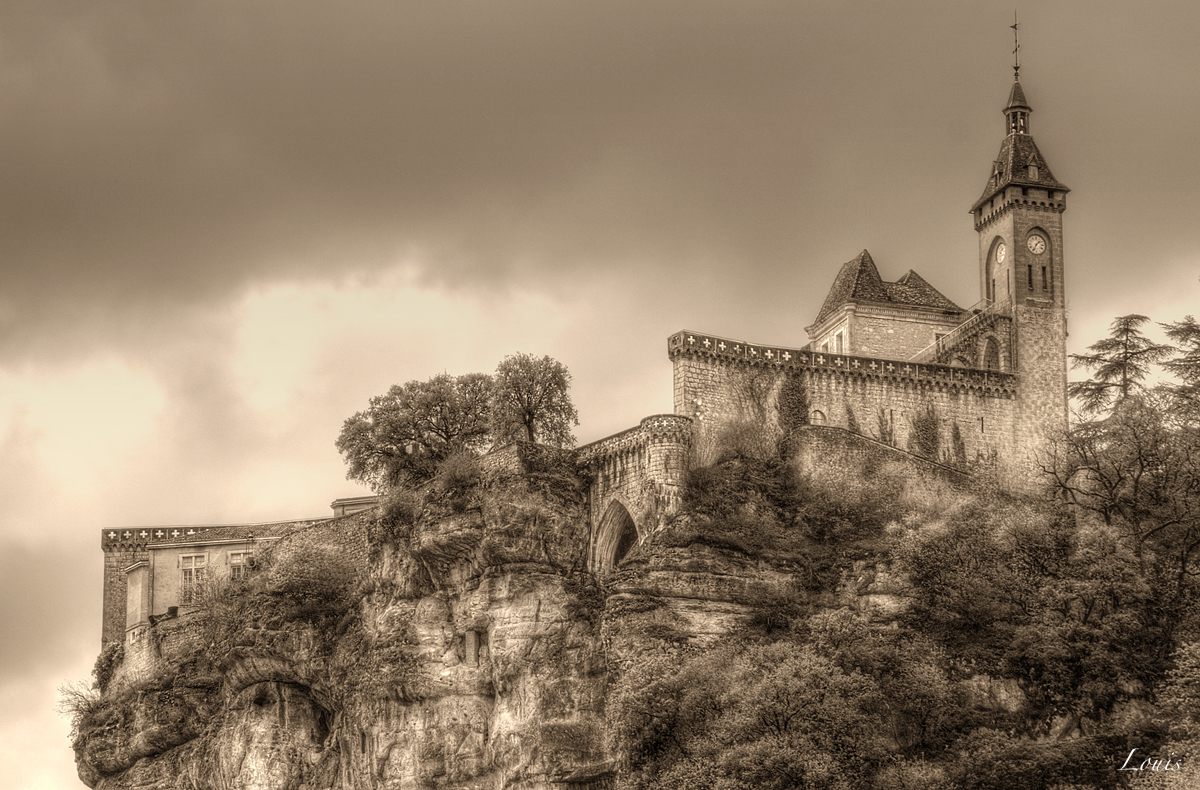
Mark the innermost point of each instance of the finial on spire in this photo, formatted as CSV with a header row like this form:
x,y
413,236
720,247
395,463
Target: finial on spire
x,y
1016,48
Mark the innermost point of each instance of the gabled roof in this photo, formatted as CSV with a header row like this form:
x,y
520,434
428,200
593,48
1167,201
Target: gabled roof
x,y
858,281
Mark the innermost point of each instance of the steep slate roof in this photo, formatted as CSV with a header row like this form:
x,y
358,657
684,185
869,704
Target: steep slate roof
x,y
911,289
1016,97
859,281
1017,152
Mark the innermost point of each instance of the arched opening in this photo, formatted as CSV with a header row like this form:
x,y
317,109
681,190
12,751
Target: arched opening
x,y
991,354
817,418
615,537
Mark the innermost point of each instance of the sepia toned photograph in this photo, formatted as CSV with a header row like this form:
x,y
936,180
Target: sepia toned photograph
x,y
599,396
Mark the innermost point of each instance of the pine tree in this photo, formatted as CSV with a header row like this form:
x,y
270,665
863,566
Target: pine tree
x,y
1119,364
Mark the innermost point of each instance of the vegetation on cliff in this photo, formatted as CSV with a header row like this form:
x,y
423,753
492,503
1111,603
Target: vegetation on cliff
x,y
834,626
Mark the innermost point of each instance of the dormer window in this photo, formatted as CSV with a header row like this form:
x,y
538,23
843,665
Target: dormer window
x,y
1033,172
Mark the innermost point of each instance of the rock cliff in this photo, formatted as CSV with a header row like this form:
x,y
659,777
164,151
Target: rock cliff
x,y
453,638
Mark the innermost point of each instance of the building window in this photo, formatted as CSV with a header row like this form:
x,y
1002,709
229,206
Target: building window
x,y
825,347
817,418
1030,267
1033,172
192,571
991,355
1044,281
839,343
240,564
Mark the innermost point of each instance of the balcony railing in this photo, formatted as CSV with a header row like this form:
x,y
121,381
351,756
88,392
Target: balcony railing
x,y
982,309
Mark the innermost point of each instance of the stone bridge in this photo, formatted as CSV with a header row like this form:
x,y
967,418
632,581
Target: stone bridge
x,y
636,485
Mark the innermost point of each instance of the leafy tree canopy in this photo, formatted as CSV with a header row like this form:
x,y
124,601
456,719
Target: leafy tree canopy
x,y
530,401
407,431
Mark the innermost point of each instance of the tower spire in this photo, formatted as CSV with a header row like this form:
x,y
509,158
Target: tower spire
x,y
1016,48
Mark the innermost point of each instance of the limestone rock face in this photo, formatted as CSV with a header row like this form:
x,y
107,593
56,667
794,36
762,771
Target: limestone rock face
x,y
454,643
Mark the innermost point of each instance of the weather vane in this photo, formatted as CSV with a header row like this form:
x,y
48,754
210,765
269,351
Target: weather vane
x,y
1016,48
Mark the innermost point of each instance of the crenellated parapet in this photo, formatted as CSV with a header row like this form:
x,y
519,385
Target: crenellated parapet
x,y
986,382
657,427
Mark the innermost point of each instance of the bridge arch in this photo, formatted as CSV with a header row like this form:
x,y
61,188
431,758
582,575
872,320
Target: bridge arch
x,y
616,535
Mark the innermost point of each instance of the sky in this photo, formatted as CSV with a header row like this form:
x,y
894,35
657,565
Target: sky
x,y
224,226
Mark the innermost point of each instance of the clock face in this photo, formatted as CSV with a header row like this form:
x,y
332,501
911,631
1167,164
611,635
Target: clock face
x,y
1037,245
1001,253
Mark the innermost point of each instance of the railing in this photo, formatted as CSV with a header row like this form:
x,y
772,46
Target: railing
x,y
981,309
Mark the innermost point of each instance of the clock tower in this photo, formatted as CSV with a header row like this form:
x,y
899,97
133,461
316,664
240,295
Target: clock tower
x,y
1019,222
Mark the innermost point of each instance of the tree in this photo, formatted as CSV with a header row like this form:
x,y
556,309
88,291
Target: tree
x,y
1139,470
530,401
1120,363
408,431
1186,334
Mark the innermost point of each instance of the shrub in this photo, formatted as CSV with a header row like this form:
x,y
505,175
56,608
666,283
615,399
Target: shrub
x,y
792,405
106,664
398,514
457,479
958,446
747,440
925,436
887,430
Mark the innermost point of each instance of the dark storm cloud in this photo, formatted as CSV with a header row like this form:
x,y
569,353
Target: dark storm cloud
x,y
175,152
159,154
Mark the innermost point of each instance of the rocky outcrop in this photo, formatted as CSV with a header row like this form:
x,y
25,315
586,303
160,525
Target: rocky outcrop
x,y
450,639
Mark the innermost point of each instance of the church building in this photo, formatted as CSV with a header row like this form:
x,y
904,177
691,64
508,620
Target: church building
x,y
882,355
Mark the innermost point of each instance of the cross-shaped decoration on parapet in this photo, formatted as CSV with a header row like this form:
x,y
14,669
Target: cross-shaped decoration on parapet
x,y
707,342
691,339
839,361
128,534
891,368
820,360
769,354
191,532
158,533
721,345
112,536
787,356
174,533
908,369
143,534
873,365
854,363
737,349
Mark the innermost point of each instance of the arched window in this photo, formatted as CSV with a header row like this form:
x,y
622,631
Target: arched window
x,y
991,354
817,418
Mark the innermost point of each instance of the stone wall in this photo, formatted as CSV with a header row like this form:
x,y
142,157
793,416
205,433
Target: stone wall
x,y
881,331
642,469
825,447
327,547
718,380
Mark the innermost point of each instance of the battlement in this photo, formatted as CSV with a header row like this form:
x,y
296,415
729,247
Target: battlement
x,y
672,427
990,383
